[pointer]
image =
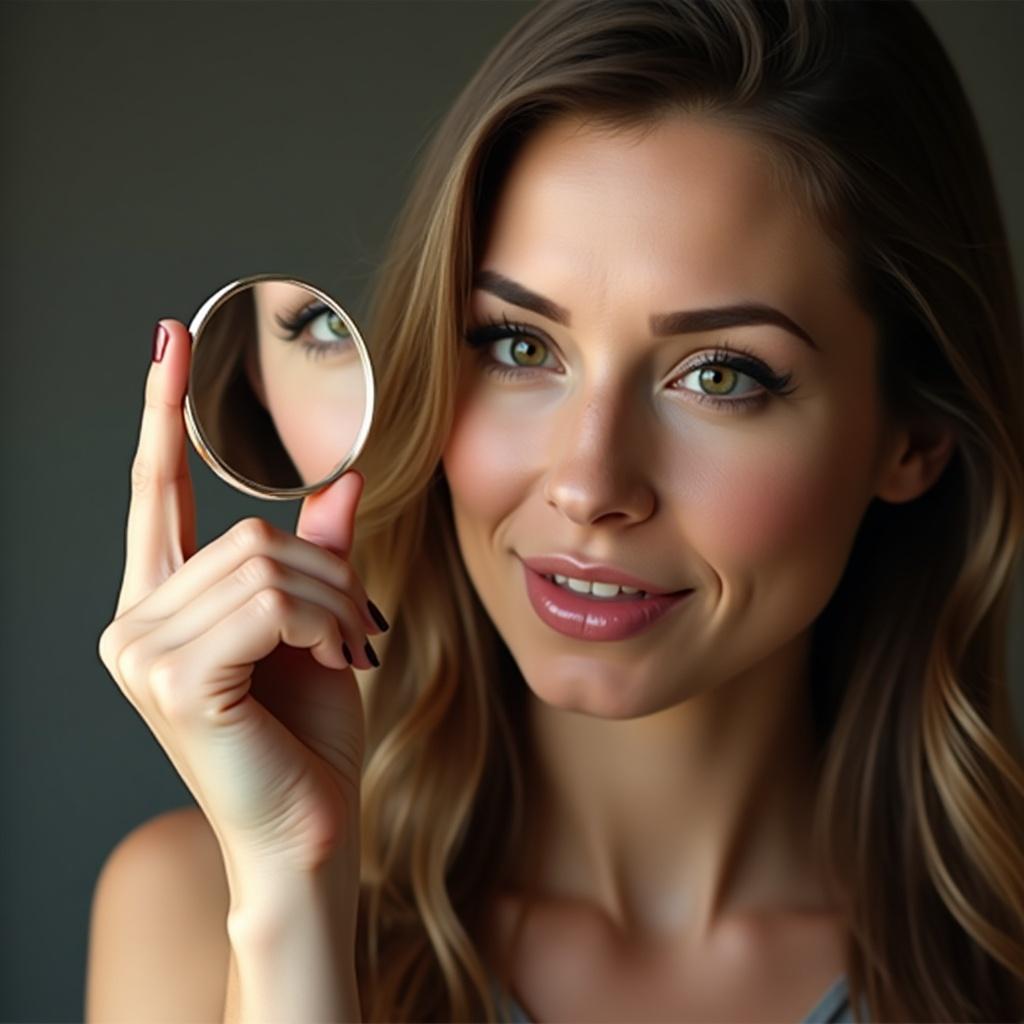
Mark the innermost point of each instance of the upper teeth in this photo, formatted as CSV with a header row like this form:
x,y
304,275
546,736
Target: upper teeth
x,y
594,587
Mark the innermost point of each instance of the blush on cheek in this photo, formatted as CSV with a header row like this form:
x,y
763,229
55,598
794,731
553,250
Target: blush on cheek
x,y
486,458
754,516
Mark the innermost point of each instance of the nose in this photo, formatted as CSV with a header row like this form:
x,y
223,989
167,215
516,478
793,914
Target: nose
x,y
597,462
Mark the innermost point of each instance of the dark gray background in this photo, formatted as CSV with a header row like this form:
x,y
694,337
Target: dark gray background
x,y
151,153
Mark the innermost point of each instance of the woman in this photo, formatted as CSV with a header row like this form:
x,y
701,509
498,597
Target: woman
x,y
709,299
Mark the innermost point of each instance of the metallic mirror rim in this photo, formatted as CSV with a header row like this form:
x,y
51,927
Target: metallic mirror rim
x,y
195,431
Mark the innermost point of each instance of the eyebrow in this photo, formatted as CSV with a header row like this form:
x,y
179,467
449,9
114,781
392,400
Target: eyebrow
x,y
686,321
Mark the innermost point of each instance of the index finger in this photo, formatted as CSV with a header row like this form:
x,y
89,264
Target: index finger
x,y
160,534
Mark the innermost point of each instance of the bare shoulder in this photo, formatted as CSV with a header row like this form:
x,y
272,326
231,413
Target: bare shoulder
x,y
158,945
185,830
175,846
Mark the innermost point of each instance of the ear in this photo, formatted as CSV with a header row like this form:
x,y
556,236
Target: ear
x,y
252,370
917,454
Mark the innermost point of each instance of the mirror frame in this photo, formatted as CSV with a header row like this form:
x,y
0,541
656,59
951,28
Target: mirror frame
x,y
195,431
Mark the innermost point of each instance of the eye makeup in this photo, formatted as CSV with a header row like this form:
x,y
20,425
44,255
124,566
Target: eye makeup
x,y
295,320
732,357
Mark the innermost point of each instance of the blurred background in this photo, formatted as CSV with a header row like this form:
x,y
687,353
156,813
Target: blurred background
x,y
152,152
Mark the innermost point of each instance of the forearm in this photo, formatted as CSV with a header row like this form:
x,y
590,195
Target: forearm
x,y
293,954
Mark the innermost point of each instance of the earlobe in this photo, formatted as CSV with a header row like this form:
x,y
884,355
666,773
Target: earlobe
x,y
917,458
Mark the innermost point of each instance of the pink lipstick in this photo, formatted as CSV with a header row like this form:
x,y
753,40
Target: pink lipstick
x,y
591,618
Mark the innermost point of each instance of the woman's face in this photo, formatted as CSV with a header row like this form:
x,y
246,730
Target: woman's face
x,y
583,431
308,376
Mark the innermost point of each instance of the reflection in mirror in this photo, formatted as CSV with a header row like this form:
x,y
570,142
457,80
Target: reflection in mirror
x,y
278,386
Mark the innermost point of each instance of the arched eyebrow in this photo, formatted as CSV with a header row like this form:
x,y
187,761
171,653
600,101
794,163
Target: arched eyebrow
x,y
686,321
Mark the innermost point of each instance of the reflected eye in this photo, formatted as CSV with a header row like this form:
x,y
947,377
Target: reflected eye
x,y
327,331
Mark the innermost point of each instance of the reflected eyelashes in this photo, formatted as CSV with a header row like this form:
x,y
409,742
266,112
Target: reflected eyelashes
x,y
316,347
735,359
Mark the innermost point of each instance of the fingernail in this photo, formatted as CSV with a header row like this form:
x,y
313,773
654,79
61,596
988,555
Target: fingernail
x,y
371,654
377,616
346,651
160,338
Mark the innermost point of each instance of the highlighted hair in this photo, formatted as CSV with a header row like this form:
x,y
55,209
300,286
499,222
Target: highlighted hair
x,y
920,819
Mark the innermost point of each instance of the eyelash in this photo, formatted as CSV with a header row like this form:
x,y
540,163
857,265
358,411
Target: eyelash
x,y
295,321
735,357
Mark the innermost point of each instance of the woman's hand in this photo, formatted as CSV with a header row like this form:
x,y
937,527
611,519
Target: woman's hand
x,y
233,654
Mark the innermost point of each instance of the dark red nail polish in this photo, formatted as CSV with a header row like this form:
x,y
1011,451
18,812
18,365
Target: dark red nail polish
x,y
160,339
371,654
375,612
346,652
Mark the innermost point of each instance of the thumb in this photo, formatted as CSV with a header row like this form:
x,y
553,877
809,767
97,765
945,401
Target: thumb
x,y
327,518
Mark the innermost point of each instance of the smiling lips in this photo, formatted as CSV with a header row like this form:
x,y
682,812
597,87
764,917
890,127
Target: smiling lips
x,y
585,617
571,566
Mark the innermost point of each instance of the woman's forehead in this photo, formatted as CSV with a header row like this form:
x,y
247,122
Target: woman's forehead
x,y
686,205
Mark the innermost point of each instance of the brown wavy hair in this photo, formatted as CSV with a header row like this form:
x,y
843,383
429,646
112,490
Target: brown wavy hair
x,y
920,815
233,419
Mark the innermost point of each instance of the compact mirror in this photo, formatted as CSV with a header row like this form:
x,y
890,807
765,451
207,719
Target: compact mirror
x,y
280,391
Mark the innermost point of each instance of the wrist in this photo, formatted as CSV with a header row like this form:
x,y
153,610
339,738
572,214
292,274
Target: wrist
x,y
293,942
267,899
263,890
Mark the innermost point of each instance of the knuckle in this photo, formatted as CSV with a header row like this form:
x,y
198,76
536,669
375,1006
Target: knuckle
x,y
341,574
346,611
131,664
349,580
107,646
260,571
166,685
272,602
156,401
141,473
252,534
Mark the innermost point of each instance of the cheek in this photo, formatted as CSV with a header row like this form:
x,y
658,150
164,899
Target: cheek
x,y
752,506
780,503
487,457
791,505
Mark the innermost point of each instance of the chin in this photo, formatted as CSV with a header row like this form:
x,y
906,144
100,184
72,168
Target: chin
x,y
600,692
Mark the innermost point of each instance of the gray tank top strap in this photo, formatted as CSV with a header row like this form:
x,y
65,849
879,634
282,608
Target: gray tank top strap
x,y
833,1007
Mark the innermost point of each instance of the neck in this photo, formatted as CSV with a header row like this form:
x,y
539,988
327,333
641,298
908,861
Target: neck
x,y
675,821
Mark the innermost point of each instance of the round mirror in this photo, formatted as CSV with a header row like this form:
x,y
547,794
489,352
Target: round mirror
x,y
280,391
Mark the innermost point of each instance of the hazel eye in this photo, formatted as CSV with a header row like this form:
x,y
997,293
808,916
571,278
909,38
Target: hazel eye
x,y
527,351
531,351
331,327
318,329
718,378
719,371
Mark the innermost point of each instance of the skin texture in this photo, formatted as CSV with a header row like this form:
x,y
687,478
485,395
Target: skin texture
x,y
316,402
676,764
